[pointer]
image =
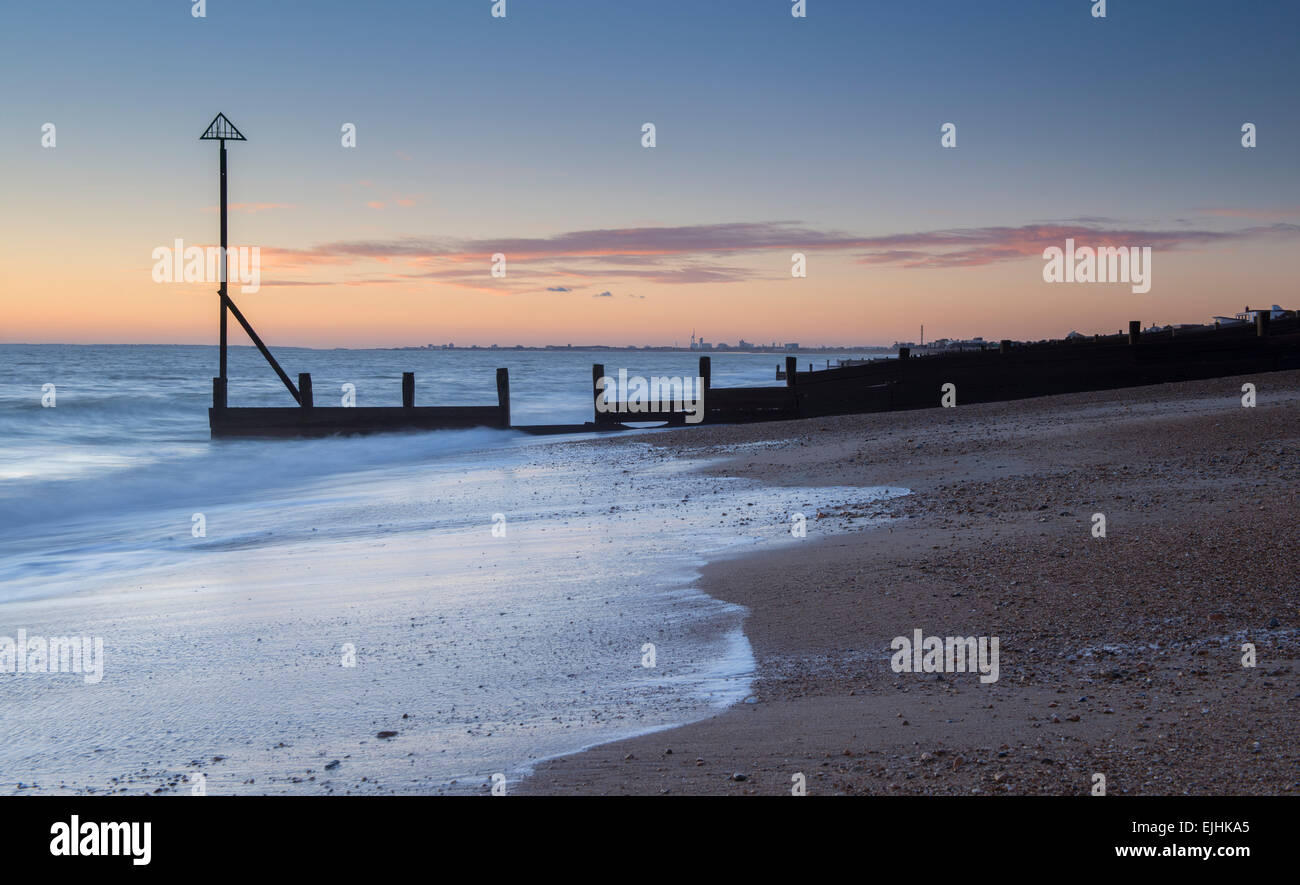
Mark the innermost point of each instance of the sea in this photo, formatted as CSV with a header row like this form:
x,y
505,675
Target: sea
x,y
402,613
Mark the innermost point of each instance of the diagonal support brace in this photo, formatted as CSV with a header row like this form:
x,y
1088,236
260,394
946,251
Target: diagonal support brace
x,y
293,391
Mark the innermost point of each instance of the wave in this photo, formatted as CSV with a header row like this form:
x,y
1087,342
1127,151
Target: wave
x,y
162,477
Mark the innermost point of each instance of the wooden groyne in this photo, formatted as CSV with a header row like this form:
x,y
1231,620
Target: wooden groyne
x,y
998,373
1009,372
308,419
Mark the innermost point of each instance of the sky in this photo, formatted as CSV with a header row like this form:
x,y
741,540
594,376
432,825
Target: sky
x,y
523,135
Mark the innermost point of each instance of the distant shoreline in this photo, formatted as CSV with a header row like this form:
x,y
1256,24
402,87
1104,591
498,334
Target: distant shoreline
x,y
477,348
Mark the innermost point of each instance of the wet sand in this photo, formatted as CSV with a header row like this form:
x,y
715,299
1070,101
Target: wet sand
x,y
1120,655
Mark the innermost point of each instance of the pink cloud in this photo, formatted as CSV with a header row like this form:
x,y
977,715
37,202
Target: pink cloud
x,y
690,253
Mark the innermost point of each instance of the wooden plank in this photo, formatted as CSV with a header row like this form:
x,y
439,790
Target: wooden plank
x,y
749,397
324,421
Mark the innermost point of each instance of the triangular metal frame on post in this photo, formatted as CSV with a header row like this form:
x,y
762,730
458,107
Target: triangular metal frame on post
x,y
221,129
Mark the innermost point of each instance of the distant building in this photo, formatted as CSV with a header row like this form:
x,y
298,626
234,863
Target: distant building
x,y
792,345
1248,315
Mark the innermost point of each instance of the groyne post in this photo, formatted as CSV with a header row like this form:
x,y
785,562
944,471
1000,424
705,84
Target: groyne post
x,y
408,390
597,372
218,393
503,396
1134,331
1261,323
706,372
791,366
304,390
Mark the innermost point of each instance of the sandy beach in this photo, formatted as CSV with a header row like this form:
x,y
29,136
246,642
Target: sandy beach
x,y
1120,655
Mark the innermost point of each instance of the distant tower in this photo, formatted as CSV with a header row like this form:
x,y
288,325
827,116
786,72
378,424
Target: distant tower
x,y
922,334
